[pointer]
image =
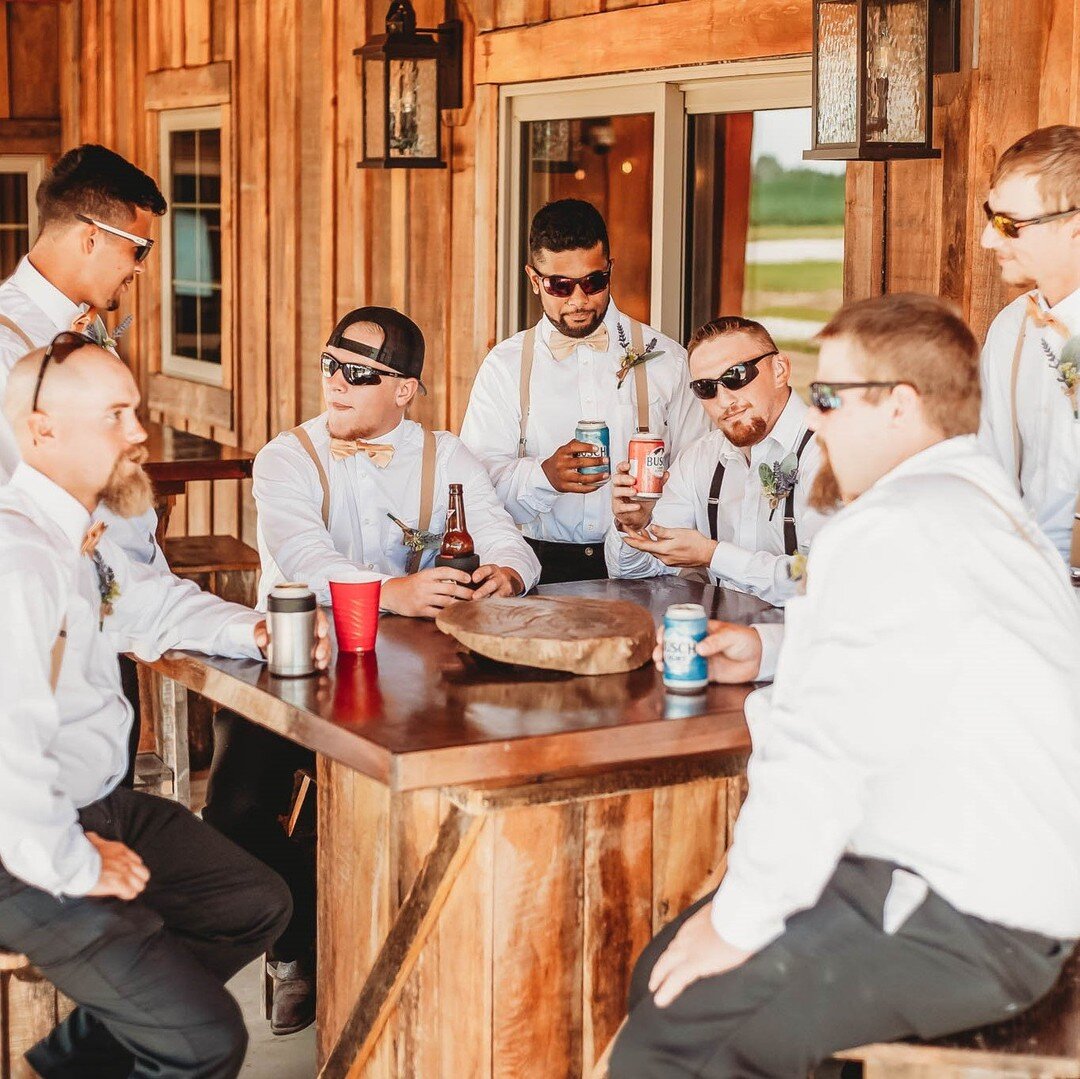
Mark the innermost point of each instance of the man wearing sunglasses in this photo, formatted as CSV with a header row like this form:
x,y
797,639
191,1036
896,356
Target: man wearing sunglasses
x,y
1031,360
715,511
532,389
325,493
907,863
96,211
127,902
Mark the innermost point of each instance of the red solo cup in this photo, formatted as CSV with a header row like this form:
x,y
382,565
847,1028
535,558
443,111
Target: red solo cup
x,y
356,613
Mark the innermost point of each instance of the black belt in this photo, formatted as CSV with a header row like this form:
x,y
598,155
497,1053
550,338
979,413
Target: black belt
x,y
581,550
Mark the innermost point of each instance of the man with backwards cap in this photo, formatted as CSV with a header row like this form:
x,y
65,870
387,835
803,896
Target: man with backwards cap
x,y
324,493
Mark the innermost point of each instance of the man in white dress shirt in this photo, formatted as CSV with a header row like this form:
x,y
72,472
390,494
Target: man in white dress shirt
x,y
96,211
324,493
716,511
126,902
1031,360
532,390
907,862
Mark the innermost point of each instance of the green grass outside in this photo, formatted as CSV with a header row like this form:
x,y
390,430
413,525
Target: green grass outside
x,y
796,197
810,314
796,232
794,276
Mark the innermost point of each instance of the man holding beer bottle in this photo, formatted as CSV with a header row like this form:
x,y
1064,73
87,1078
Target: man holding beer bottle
x,y
357,489
547,402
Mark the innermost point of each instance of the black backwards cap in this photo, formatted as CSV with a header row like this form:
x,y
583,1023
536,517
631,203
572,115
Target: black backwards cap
x,y
402,349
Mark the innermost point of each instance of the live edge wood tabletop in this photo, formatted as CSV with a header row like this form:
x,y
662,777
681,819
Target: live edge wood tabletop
x,y
496,845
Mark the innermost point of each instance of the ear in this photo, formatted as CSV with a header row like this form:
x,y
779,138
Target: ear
x,y
905,402
40,426
406,391
783,368
534,280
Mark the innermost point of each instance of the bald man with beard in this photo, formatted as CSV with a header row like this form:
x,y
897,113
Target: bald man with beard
x,y
126,902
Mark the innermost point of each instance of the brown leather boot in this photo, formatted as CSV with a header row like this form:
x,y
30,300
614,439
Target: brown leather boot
x,y
293,1005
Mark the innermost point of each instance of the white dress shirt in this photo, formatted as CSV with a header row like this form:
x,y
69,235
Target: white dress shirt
x,y
1049,475
582,386
926,710
296,546
41,311
62,751
750,555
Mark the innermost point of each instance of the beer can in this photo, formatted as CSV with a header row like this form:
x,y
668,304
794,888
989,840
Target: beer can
x,y
290,610
684,670
647,465
595,432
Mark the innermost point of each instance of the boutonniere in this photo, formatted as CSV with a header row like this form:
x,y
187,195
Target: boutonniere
x,y
778,480
102,337
1066,368
416,540
797,570
108,588
630,359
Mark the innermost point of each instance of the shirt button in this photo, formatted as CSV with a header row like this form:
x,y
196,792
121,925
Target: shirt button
x,y
370,565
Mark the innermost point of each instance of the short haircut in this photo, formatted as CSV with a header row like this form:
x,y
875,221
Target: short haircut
x,y
909,337
567,225
1052,155
96,182
725,326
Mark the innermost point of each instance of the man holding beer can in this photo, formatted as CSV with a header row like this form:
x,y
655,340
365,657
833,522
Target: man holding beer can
x,y
736,502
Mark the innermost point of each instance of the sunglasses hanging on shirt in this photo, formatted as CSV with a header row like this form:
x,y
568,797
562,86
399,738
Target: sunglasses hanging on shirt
x,y
735,377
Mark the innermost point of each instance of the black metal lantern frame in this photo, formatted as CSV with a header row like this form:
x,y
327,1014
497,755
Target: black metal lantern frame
x,y
874,63
408,76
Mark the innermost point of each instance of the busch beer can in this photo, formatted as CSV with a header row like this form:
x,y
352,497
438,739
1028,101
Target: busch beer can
x,y
647,465
596,433
684,670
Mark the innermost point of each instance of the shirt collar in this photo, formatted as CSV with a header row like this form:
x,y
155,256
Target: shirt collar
x,y
1067,310
54,502
61,311
942,456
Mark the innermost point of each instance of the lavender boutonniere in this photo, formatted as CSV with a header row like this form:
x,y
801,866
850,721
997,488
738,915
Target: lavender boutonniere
x,y
630,358
1066,368
415,539
108,588
101,336
778,480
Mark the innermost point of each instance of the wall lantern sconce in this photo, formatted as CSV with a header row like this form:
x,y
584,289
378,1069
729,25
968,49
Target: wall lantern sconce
x,y
874,64
410,74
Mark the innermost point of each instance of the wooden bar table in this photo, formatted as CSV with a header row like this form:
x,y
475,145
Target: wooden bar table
x,y
496,845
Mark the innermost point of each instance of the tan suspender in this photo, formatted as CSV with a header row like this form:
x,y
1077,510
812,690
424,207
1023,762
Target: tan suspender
x,y
427,486
17,330
56,658
641,380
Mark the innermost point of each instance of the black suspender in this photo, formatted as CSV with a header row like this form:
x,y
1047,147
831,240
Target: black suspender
x,y
791,539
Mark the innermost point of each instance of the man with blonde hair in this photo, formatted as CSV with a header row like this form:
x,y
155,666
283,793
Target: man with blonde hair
x,y
921,729
1031,360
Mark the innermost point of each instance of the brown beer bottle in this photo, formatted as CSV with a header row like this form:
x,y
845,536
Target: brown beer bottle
x,y
457,543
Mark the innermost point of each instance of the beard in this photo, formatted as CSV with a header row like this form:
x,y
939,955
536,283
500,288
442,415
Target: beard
x,y
581,331
129,492
825,496
743,433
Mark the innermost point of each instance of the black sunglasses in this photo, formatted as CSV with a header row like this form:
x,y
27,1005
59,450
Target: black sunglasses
x,y
825,396
1011,226
356,374
58,350
735,377
591,284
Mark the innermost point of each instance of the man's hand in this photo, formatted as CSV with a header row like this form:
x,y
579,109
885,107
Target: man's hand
x,y
630,514
123,874
675,546
733,652
697,951
320,650
563,469
497,581
424,594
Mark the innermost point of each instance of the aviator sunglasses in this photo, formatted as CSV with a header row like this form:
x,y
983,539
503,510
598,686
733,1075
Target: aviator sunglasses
x,y
1011,226
557,285
735,377
355,374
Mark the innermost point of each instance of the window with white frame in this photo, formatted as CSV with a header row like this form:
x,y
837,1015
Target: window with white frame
x,y
192,286
20,175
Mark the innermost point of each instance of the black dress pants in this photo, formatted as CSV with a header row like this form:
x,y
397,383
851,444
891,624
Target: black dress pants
x,y
148,976
562,562
129,681
834,980
248,792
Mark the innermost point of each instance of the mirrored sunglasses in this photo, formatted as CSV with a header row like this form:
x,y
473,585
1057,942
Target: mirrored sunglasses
x,y
825,396
735,377
1011,226
355,374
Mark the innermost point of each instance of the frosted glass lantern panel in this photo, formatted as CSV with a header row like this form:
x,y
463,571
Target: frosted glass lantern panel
x,y
896,44
837,71
374,109
414,114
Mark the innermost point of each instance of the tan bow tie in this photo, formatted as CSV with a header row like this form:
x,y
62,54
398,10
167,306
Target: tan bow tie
x,y
561,346
379,452
1043,318
84,321
92,537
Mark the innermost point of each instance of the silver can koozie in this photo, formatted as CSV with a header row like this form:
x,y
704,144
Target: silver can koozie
x,y
685,671
290,611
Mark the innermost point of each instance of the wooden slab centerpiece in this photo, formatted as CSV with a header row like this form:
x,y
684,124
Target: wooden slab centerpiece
x,y
562,633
